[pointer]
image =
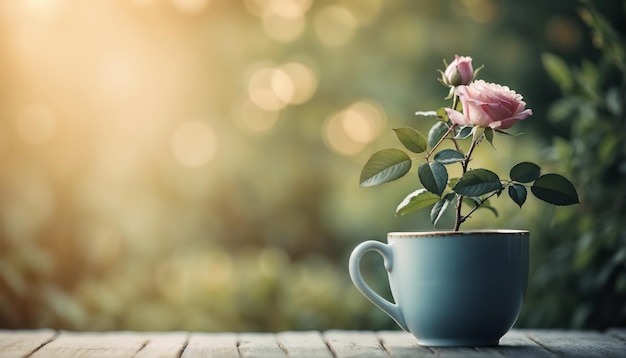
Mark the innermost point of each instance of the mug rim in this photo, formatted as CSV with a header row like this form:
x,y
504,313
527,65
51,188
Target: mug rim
x,y
418,234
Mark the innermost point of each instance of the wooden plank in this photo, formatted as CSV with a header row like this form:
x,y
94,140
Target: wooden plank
x,y
163,345
618,333
223,345
517,344
303,344
354,344
23,343
259,345
579,343
402,344
513,344
93,344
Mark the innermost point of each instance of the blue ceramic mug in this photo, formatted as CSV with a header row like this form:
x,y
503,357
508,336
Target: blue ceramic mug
x,y
451,288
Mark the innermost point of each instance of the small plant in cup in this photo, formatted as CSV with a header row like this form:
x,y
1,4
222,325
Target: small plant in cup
x,y
479,110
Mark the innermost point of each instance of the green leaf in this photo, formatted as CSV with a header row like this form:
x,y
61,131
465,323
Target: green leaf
x,y
411,139
452,182
518,193
477,133
555,189
484,204
558,70
440,207
563,109
477,182
436,132
418,199
384,166
464,132
433,176
525,172
489,136
449,156
442,115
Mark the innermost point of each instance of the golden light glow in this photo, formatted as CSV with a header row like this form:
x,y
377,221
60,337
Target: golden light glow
x,y
273,88
101,245
33,203
350,130
261,91
119,75
563,33
288,9
364,11
283,29
283,20
272,260
194,144
41,8
256,7
481,11
36,124
335,25
282,85
213,270
303,79
190,6
255,120
143,3
172,279
181,278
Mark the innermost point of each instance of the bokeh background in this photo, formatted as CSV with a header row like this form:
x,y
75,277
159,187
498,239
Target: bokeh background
x,y
193,164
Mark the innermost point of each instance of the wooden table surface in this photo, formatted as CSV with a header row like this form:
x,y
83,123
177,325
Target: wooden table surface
x,y
334,343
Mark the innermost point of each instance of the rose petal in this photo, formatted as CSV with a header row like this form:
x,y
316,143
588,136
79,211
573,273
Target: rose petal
x,y
496,110
457,117
475,114
492,105
509,122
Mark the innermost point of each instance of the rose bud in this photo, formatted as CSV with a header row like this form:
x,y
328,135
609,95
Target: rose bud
x,y
459,72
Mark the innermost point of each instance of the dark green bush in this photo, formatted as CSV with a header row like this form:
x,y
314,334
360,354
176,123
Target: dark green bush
x,y
580,257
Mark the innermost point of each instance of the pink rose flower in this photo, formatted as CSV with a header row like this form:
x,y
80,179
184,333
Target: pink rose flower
x,y
459,72
489,105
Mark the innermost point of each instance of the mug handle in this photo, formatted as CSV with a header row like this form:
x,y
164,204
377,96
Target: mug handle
x,y
354,267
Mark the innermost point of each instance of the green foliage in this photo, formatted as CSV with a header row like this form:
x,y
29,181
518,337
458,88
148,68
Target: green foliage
x,y
518,194
555,189
525,172
463,132
478,182
478,185
436,133
433,176
448,156
480,204
411,139
440,208
580,276
558,70
419,199
384,166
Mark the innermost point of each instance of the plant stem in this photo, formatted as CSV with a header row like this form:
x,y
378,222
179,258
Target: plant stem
x,y
461,219
459,198
432,150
